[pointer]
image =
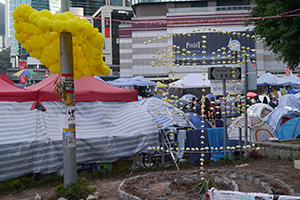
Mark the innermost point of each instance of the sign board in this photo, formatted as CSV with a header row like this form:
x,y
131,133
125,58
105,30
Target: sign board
x,y
221,73
251,76
216,87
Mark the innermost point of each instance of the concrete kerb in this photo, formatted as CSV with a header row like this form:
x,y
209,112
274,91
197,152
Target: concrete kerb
x,y
225,175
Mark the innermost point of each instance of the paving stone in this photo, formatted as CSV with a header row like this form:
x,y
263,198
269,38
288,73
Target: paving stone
x,y
178,180
193,176
242,176
256,181
263,184
250,178
234,175
226,180
186,180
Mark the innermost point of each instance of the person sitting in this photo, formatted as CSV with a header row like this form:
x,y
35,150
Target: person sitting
x,y
272,103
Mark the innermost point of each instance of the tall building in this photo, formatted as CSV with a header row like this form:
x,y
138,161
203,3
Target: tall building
x,y
160,25
107,19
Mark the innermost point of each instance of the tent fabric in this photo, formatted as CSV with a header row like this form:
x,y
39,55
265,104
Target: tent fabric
x,y
105,131
4,77
164,114
197,121
270,79
289,130
288,106
135,81
260,109
86,89
9,92
194,80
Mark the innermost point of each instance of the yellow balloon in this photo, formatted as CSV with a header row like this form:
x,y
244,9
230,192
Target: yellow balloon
x,y
106,70
43,24
35,54
37,40
97,52
44,60
61,17
88,28
18,26
30,28
34,17
98,39
77,75
87,72
71,15
49,52
72,26
16,16
58,26
39,33
25,9
27,45
20,36
55,44
47,14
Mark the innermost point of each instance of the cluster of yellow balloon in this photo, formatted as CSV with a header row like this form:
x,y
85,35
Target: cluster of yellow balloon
x,y
39,33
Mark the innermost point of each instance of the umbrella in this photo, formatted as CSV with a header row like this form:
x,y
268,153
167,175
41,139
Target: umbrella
x,y
251,94
25,72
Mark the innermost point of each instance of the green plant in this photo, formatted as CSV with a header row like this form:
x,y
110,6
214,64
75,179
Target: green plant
x,y
80,190
203,186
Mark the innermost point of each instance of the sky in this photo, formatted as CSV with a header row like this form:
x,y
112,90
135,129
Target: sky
x,y
2,1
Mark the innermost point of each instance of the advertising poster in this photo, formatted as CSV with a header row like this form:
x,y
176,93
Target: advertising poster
x,y
69,81
214,41
70,136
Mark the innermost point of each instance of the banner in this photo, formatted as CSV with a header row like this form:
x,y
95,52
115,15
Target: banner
x,y
22,66
46,72
287,71
213,41
107,27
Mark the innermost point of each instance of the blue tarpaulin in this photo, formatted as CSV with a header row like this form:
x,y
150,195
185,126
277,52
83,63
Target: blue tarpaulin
x,y
216,140
135,81
194,140
288,106
270,79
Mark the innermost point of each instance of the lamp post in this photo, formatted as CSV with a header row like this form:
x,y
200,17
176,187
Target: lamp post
x,y
67,80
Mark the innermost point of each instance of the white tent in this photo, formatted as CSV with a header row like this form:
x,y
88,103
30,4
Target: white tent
x,y
191,81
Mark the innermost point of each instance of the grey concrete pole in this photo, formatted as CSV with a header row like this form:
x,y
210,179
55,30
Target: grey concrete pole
x,y
67,77
246,115
224,118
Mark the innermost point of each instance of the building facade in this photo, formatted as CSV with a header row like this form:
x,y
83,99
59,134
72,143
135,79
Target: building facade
x,y
147,44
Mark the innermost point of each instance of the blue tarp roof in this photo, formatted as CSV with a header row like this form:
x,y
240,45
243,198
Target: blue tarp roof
x,y
135,81
288,106
270,79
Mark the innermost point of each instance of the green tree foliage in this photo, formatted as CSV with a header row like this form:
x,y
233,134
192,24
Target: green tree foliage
x,y
282,34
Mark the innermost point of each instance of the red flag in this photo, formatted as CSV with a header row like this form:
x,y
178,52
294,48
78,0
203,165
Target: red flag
x,y
22,66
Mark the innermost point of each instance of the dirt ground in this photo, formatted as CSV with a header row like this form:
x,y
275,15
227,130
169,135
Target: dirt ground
x,y
107,188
